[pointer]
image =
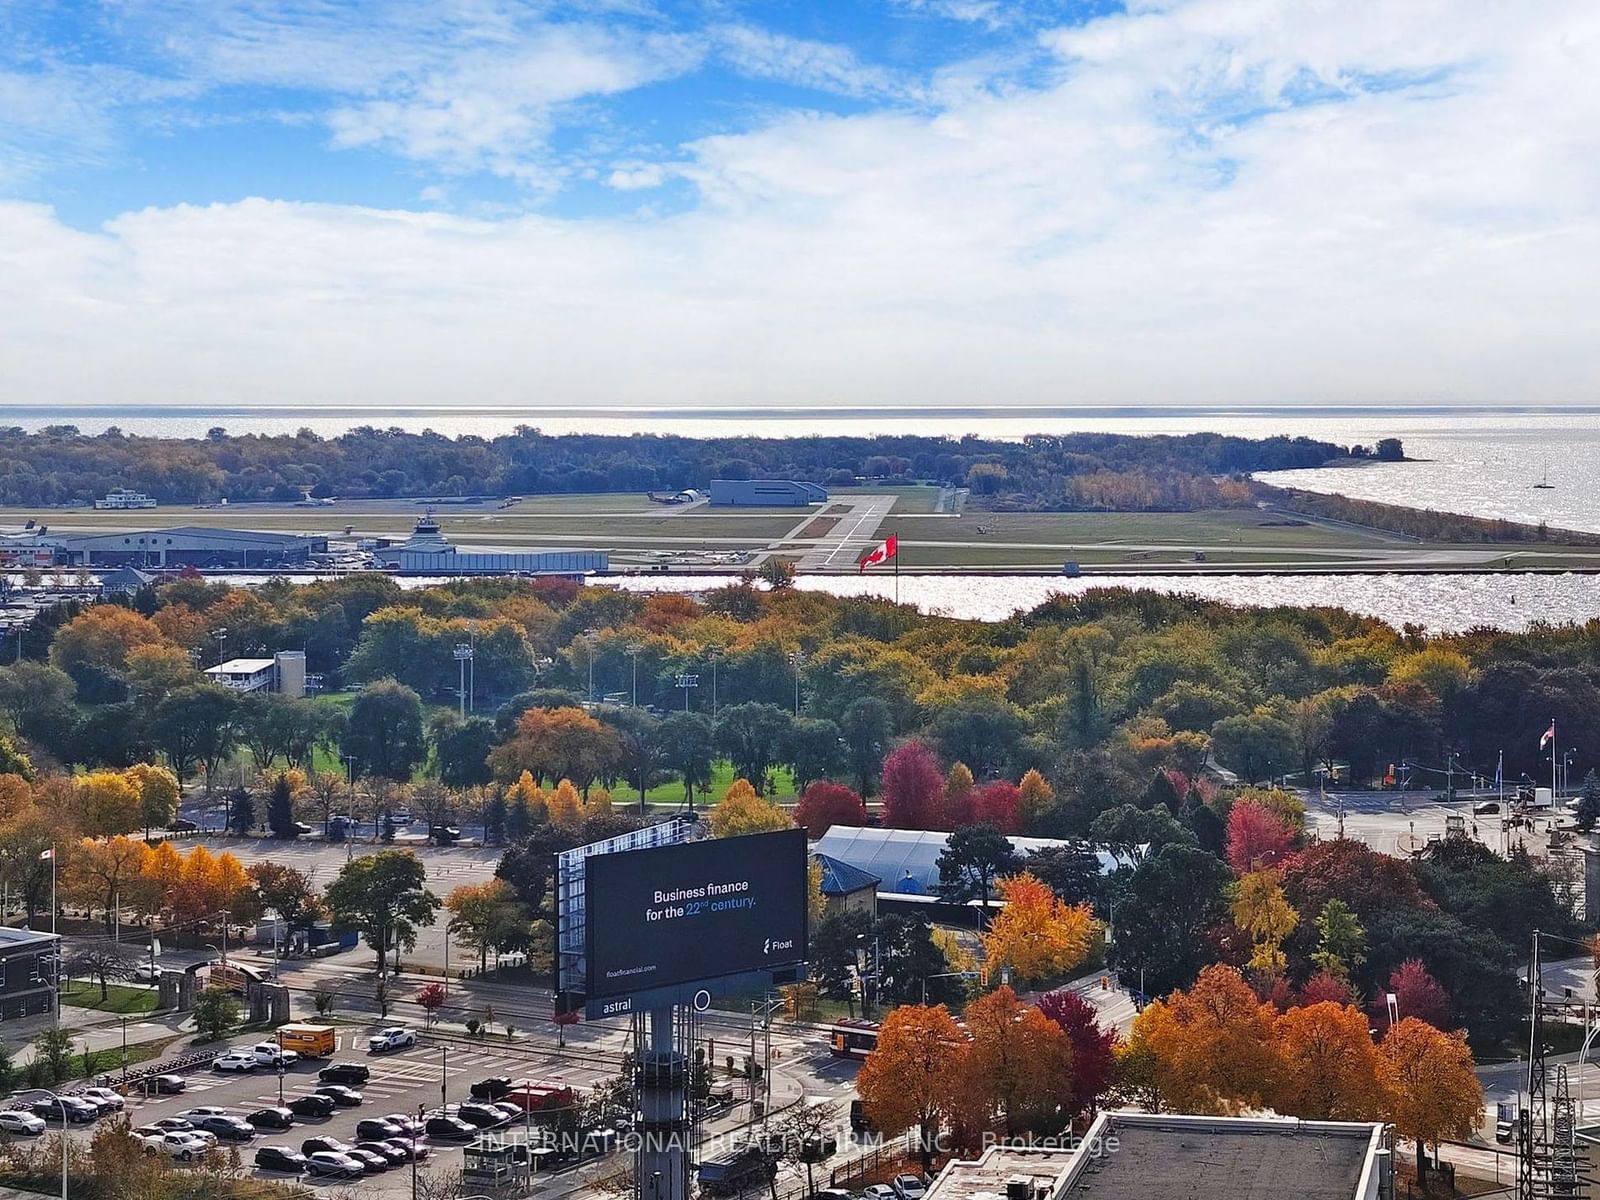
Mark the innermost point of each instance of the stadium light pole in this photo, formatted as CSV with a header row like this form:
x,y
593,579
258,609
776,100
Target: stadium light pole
x,y
797,659
634,650
463,656
590,636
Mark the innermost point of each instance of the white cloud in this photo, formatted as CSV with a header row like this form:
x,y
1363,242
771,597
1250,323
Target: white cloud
x,y
1170,220
822,66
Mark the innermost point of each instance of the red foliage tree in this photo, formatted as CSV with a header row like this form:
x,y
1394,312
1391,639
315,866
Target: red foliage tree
x,y
1092,1047
913,789
1418,994
997,804
430,999
1322,988
1257,837
1347,870
824,805
555,591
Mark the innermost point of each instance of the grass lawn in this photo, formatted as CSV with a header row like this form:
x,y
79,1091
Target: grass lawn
x,y
1239,529
109,1061
670,795
121,998
908,498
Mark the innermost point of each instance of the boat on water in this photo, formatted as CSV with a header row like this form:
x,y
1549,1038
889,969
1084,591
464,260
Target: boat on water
x,y
1544,481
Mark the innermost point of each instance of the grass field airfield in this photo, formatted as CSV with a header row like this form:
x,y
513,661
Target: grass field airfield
x,y
936,533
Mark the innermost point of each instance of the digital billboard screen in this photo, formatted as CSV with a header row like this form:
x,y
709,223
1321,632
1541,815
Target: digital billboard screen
x,y
692,913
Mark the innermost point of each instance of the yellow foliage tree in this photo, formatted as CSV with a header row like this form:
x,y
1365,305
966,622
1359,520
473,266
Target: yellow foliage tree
x,y
598,803
816,902
108,804
1036,934
531,796
1260,909
1329,1066
102,871
235,890
16,797
957,782
566,806
195,893
161,872
1212,1048
912,1077
957,957
1036,795
158,793
157,668
1429,1089
103,638
742,811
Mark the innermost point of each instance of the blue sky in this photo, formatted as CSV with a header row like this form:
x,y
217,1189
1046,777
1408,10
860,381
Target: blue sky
x,y
841,201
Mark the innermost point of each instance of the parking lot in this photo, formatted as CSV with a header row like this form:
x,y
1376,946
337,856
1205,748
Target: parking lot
x,y
401,1082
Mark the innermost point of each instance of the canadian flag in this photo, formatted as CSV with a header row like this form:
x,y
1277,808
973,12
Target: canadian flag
x,y
1549,736
881,553
47,855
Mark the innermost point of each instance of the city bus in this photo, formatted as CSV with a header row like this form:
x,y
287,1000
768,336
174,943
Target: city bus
x,y
852,1038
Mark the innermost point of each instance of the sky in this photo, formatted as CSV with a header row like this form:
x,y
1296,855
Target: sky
x,y
808,203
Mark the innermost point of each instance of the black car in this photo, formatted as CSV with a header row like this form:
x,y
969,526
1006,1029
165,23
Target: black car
x,y
377,1128
183,825
233,1129
280,1158
312,1105
450,1129
387,1152
78,1112
372,1161
311,1145
414,1150
409,1126
342,1096
345,1072
491,1088
271,1118
481,1115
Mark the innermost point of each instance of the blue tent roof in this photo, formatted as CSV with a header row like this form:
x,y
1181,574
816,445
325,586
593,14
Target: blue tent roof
x,y
840,878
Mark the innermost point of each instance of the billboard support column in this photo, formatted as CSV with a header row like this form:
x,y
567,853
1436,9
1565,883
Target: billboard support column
x,y
661,1169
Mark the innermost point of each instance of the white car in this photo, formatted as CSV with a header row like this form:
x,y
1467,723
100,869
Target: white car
x,y
204,1111
909,1187
396,1037
879,1191
268,1054
105,1098
146,973
235,1060
181,1146
340,1166
14,1120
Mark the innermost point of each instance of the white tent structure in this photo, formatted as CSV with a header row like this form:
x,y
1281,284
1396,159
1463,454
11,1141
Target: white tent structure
x,y
907,860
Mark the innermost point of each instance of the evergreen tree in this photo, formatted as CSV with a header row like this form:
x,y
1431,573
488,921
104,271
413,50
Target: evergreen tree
x,y
494,819
1589,802
280,809
241,811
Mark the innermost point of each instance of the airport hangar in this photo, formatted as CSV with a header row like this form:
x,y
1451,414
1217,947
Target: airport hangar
x,y
188,545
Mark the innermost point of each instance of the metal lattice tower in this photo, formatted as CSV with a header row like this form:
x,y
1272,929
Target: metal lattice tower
x,y
1563,1140
1533,1127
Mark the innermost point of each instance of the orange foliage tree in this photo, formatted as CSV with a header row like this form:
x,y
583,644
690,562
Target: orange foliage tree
x,y
102,638
1036,934
1210,1049
1429,1089
1017,1071
1329,1066
911,1078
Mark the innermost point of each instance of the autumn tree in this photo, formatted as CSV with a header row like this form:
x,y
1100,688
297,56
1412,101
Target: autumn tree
x,y
159,794
104,869
1017,1071
1260,910
958,785
1034,797
1341,941
1093,1048
1328,1064
286,891
564,805
108,804
1429,1089
823,805
1211,1048
1035,934
1257,837
913,1075
913,789
1418,994
742,811
102,638
558,743
486,916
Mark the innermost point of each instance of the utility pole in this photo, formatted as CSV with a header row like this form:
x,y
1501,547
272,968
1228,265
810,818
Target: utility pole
x,y
634,650
463,656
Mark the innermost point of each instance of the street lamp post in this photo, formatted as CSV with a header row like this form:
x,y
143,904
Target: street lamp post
x,y
463,655
221,634
634,650
797,659
280,1068
64,1140
590,636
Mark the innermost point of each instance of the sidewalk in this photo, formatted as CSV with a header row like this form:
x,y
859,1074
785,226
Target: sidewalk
x,y
92,1029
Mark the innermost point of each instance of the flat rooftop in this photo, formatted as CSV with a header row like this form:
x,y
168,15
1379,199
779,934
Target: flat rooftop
x,y
1159,1157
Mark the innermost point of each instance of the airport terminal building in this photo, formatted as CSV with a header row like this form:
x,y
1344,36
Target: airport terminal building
x,y
190,545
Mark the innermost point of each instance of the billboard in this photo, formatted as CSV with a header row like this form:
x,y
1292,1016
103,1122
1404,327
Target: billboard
x,y
689,915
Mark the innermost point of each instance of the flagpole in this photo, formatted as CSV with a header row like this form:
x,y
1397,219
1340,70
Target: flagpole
x,y
55,1009
1554,795
897,567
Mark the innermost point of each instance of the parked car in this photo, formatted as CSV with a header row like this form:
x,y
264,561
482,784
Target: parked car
x,y
146,973
388,1153
201,1112
182,825
185,1147
908,1187
270,1054
301,829
377,1128
271,1118
179,1125
345,1072
280,1158
319,1145
1486,808
484,1116
103,1098
372,1163
76,1112
235,1060
396,1037
334,1165
16,1120
414,1150
409,1126
312,1105
1504,1132
491,1088
229,1129
166,1085
835,1194
878,1191
342,1096
451,1129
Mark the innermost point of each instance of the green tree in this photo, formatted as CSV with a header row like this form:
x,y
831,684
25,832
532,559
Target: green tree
x,y
8,1068
385,896
814,750
982,729
1256,744
216,1014
973,857
643,752
1071,871
197,725
753,735
866,726
286,891
384,734
834,951
461,750
53,1049
1341,941
1589,803
36,698
1136,834
686,743
1166,907
280,809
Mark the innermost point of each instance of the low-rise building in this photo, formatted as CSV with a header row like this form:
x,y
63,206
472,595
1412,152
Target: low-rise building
x,y
27,972
767,493
189,545
284,673
846,888
125,498
1154,1156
